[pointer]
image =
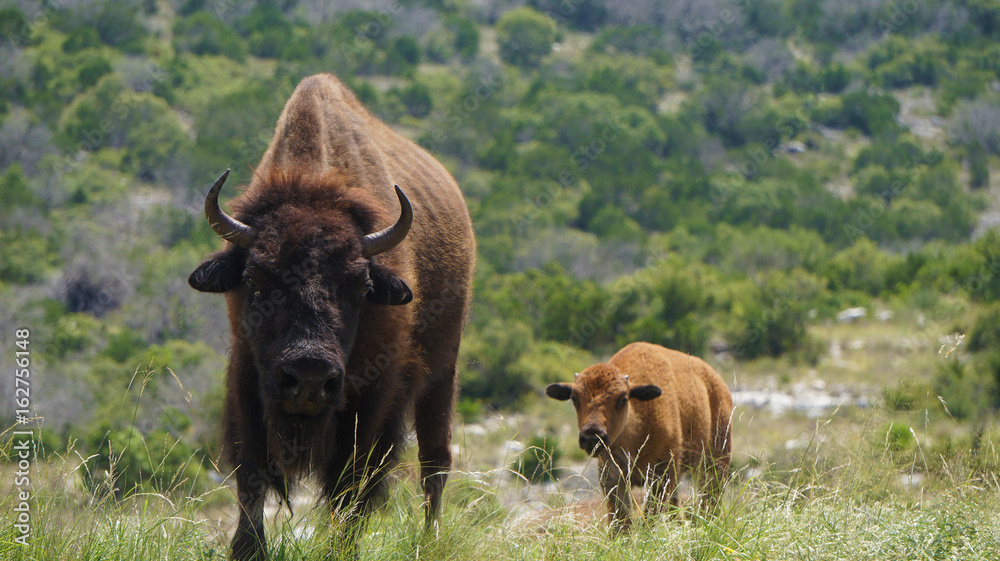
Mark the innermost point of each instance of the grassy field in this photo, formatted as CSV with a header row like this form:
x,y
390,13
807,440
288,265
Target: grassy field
x,y
857,489
851,479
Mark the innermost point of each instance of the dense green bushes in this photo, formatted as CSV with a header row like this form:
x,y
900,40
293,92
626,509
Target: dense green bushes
x,y
202,33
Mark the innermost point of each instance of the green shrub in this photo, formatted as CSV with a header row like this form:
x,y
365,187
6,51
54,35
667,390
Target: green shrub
x,y
116,22
585,15
862,267
771,318
898,436
403,56
202,33
967,391
872,114
466,37
667,304
985,332
91,69
15,191
984,281
525,36
124,462
640,40
538,462
14,27
416,98
124,346
72,334
979,166
906,395
111,115
804,78
633,80
488,353
26,255
899,63
79,39
895,153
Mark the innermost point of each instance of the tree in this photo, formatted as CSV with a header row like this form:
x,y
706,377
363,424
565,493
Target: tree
x,y
204,34
466,37
585,15
525,36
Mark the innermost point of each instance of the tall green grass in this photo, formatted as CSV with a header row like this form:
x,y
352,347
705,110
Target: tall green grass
x,y
854,491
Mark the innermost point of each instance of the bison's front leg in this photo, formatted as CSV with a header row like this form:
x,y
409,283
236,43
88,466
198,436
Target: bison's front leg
x,y
617,495
433,426
249,543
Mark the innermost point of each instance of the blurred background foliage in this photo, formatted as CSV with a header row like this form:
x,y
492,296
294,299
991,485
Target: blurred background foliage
x,y
717,177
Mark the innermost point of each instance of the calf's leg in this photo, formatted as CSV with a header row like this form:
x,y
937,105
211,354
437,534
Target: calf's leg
x,y
618,497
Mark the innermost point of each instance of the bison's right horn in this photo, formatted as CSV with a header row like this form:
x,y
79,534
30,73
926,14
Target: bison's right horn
x,y
229,228
384,240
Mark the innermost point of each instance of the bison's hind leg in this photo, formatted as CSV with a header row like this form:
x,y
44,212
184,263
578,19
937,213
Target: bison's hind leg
x,y
432,421
714,474
662,481
661,495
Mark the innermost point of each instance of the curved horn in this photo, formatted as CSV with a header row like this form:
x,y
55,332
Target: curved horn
x,y
229,228
384,240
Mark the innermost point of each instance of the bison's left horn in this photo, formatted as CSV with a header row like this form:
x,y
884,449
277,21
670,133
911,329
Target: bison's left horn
x,y
384,240
226,226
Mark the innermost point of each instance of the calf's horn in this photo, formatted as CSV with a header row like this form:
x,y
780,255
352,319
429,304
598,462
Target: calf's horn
x,y
229,228
384,240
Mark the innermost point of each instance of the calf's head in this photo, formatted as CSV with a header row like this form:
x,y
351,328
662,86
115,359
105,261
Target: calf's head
x,y
298,272
601,395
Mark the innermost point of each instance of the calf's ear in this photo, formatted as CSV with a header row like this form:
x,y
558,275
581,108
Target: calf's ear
x,y
387,288
221,272
645,393
562,392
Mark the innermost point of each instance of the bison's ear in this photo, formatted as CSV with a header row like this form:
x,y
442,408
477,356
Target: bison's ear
x,y
387,288
562,392
222,272
645,393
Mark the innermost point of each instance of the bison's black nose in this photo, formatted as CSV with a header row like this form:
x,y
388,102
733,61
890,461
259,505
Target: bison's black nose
x,y
308,385
591,437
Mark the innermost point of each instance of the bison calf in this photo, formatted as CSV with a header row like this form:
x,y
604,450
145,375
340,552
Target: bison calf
x,y
649,415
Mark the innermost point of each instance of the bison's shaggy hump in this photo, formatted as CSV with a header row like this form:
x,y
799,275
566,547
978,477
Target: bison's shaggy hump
x,y
296,209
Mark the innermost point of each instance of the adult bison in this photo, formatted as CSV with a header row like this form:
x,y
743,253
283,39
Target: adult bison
x,y
648,415
344,318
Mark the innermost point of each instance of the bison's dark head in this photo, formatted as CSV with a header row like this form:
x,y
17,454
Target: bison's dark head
x,y
299,270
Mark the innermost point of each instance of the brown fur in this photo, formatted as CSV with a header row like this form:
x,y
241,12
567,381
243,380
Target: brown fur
x,y
325,181
653,439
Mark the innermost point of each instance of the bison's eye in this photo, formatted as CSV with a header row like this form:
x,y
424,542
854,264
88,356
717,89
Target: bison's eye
x,y
622,402
576,400
364,290
252,285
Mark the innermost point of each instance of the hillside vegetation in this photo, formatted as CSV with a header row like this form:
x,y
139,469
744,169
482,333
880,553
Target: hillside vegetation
x,y
722,177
